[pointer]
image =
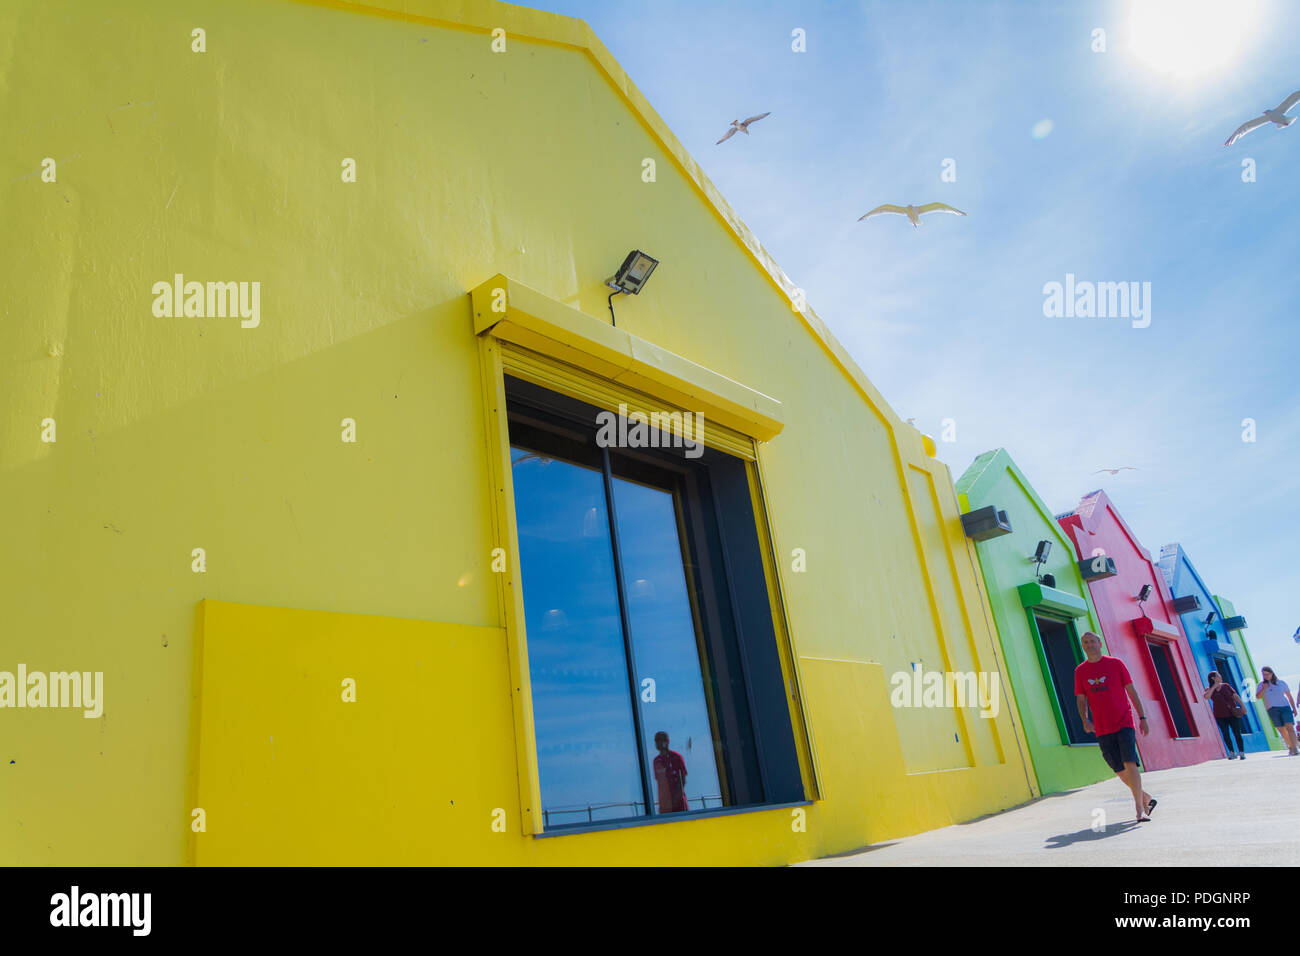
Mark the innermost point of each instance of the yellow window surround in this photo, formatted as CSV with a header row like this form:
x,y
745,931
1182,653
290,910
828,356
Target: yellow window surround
x,y
530,336
607,366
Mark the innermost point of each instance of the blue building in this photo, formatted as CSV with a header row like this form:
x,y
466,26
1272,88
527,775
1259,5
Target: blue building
x,y
1211,642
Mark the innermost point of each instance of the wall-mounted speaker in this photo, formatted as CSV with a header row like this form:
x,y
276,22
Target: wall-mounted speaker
x,y
1098,568
985,523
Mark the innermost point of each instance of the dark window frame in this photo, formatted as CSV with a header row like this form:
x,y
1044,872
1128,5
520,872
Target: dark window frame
x,y
1063,724
758,754
1167,649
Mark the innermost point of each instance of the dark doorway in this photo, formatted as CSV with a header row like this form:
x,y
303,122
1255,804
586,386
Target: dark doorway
x,y
1225,672
1058,648
1165,672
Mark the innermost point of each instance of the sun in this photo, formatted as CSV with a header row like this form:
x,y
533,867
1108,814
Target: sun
x,y
1190,39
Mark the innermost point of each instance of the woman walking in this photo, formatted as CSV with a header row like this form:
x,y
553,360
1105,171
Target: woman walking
x,y
1227,707
1281,706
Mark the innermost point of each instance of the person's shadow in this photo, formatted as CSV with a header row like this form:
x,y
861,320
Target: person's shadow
x,y
1080,836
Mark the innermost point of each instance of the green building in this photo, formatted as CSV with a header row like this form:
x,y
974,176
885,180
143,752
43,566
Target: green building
x,y
1040,608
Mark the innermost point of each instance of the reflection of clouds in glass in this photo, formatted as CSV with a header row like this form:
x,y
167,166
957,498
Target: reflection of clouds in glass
x,y
518,456
566,502
576,675
582,711
663,630
641,590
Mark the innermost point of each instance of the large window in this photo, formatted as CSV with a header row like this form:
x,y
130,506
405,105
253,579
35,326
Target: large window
x,y
656,679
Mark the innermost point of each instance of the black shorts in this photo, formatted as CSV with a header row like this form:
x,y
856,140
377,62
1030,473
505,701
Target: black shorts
x,y
1119,748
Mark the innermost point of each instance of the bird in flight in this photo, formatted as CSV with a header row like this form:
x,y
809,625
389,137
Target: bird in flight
x,y
1277,117
1116,471
913,213
738,126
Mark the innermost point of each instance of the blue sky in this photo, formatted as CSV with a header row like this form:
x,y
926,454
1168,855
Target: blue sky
x,y
1132,184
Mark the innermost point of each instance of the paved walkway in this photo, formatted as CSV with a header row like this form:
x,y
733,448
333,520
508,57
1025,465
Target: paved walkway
x,y
1247,809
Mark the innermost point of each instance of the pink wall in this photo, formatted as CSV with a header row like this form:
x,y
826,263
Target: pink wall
x,y
1096,524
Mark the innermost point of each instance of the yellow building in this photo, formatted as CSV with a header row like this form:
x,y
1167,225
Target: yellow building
x,y
304,347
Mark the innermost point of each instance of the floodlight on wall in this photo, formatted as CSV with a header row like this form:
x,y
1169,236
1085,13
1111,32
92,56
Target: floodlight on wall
x,y
1039,556
1209,618
1186,604
1144,594
631,277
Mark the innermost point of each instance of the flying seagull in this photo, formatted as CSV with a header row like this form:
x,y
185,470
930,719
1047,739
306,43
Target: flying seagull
x,y
742,127
1116,471
1277,117
913,213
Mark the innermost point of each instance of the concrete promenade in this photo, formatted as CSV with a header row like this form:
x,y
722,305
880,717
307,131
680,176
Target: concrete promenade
x,y
1249,809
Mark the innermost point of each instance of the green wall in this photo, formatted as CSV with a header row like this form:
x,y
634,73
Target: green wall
x,y
994,479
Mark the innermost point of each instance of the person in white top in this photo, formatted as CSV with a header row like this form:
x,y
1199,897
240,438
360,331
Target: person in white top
x,y
1281,706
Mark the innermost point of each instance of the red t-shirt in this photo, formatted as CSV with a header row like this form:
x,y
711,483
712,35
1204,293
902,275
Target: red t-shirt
x,y
671,775
1103,683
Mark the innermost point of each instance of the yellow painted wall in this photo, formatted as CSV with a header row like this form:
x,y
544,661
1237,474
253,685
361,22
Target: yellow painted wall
x,y
412,773
183,433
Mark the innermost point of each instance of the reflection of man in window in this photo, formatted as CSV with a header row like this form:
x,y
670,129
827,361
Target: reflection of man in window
x,y
670,771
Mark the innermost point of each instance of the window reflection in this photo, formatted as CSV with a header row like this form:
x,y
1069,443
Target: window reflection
x,y
586,739
674,711
657,679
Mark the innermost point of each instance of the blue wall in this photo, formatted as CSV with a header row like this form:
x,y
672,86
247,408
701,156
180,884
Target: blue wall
x,y
1183,580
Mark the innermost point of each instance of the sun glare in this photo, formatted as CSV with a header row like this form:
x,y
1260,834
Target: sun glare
x,y
1190,39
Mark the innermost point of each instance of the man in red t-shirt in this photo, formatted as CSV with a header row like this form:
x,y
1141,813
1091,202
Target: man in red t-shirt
x,y
670,772
1103,686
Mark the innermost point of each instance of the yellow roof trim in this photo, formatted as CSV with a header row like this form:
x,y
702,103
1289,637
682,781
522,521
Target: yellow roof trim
x,y
482,16
512,311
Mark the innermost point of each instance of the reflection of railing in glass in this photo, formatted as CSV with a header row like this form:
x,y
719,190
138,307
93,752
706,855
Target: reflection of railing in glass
x,y
590,808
